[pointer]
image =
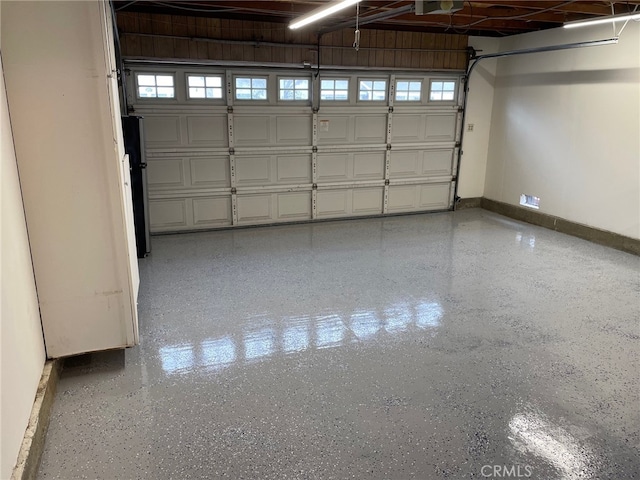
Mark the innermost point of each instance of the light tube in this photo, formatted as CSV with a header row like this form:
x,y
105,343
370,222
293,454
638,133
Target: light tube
x,y
600,21
321,12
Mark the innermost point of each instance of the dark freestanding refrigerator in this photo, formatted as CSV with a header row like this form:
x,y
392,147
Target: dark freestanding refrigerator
x,y
132,129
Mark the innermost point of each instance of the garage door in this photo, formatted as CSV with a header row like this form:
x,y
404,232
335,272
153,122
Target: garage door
x,y
229,147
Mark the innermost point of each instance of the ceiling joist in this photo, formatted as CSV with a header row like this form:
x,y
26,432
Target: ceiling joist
x,y
490,17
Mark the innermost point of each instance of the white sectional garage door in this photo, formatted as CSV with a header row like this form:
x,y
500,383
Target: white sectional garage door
x,y
267,146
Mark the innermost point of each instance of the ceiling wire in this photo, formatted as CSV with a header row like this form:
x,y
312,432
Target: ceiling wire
x,y
462,31
214,10
125,6
625,23
356,42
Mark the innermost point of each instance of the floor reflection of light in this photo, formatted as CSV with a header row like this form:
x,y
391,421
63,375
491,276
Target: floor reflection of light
x,y
296,334
538,436
177,358
259,344
529,240
218,353
329,332
398,318
364,324
428,315
295,338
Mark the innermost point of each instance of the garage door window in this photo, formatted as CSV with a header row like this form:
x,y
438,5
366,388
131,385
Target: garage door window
x,y
408,90
251,88
204,86
294,89
334,89
155,86
372,90
442,91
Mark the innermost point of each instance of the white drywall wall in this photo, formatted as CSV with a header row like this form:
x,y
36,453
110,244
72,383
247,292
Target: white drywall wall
x,y
22,356
566,128
475,144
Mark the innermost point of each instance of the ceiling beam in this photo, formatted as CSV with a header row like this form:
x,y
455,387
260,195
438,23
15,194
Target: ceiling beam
x,y
498,16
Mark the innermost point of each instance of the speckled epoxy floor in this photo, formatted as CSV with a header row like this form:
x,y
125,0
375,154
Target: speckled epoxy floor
x,y
456,345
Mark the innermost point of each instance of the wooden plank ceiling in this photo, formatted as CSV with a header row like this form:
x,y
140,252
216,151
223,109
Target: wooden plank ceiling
x,y
482,17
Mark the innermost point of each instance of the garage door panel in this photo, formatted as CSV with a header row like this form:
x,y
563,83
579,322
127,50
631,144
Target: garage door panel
x,y
162,131
254,208
207,130
334,129
409,198
210,171
214,211
294,206
407,128
368,166
293,169
420,163
402,198
165,173
434,197
252,130
333,203
293,130
334,167
437,162
167,214
370,129
254,170
440,127
367,201
403,164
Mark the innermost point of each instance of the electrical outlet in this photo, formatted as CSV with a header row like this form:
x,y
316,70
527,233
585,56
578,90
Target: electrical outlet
x,y
470,127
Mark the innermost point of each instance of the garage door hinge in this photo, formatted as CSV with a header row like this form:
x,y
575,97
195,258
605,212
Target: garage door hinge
x,y
388,146
229,109
315,110
233,190
314,186
386,182
232,151
314,149
458,144
390,109
460,109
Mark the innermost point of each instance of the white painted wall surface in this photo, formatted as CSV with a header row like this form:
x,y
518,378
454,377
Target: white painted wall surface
x,y
475,144
22,353
566,128
56,66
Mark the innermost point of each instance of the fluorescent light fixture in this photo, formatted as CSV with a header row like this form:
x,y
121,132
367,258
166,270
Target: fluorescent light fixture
x,y
600,21
321,12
